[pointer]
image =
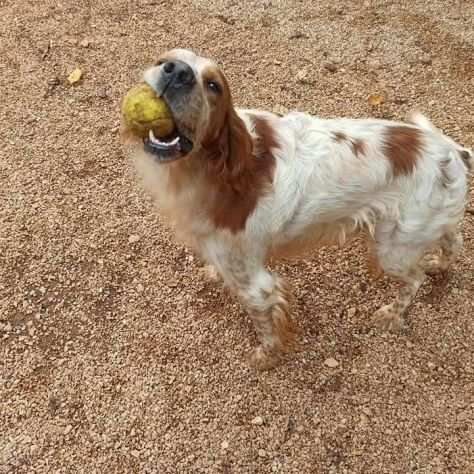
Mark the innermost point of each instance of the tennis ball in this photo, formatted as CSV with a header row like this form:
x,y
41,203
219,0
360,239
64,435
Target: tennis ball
x,y
142,110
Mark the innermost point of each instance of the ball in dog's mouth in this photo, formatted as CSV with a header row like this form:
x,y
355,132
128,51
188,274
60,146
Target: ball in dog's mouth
x,y
169,148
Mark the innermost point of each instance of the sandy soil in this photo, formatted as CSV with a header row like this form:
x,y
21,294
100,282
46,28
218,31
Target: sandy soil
x,y
115,356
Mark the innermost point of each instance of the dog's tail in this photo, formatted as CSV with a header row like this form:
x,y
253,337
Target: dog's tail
x,y
466,154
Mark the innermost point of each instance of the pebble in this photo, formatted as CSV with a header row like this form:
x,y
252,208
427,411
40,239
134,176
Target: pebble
x,y
329,66
68,429
302,76
102,92
262,453
331,362
225,445
351,312
133,239
258,420
276,466
426,59
135,453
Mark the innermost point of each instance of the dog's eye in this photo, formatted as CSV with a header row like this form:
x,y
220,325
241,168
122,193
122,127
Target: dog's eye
x,y
213,86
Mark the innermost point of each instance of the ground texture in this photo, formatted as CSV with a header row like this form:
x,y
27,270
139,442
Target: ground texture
x,y
115,356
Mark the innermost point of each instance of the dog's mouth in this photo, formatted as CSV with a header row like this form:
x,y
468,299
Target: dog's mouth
x,y
171,148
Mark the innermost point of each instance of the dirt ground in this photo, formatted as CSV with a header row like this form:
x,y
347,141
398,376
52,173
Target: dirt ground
x,y
116,357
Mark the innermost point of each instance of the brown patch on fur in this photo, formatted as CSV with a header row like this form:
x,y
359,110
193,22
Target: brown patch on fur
x,y
402,147
358,147
266,139
275,326
239,170
340,137
284,325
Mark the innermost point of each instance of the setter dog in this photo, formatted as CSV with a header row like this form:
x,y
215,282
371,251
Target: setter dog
x,y
243,186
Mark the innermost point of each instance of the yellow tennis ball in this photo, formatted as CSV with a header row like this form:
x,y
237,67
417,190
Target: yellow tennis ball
x,y
142,110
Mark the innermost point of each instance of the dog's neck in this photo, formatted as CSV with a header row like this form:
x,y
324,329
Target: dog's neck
x,y
225,185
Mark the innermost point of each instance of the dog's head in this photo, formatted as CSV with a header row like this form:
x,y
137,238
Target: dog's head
x,y
197,93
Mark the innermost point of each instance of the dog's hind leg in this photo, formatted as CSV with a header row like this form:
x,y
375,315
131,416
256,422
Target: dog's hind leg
x,y
400,259
390,317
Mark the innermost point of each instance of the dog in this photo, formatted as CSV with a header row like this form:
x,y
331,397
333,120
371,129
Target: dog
x,y
243,186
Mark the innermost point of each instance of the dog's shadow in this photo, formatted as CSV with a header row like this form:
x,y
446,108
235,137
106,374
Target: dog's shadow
x,y
438,289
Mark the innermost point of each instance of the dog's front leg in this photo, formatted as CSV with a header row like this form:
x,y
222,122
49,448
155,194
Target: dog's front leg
x,y
266,297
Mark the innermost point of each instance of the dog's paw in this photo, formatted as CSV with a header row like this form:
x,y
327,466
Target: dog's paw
x,y
388,320
209,273
262,359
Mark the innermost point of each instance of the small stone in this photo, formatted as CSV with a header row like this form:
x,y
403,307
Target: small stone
x,y
140,288
85,43
262,453
102,92
225,445
133,239
53,82
68,429
331,67
351,312
302,76
426,59
135,453
276,466
298,35
258,420
331,362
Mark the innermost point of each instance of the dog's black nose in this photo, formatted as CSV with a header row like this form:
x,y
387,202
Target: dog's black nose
x,y
179,74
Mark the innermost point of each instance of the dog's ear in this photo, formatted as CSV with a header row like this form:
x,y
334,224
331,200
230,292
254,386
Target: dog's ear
x,y
230,151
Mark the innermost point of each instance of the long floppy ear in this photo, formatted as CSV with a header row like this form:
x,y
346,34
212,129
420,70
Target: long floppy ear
x,y
230,153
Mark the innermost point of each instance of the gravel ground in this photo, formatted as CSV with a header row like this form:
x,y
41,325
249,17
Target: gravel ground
x,y
115,355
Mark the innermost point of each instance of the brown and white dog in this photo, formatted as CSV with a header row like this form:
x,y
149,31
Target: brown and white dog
x,y
243,186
